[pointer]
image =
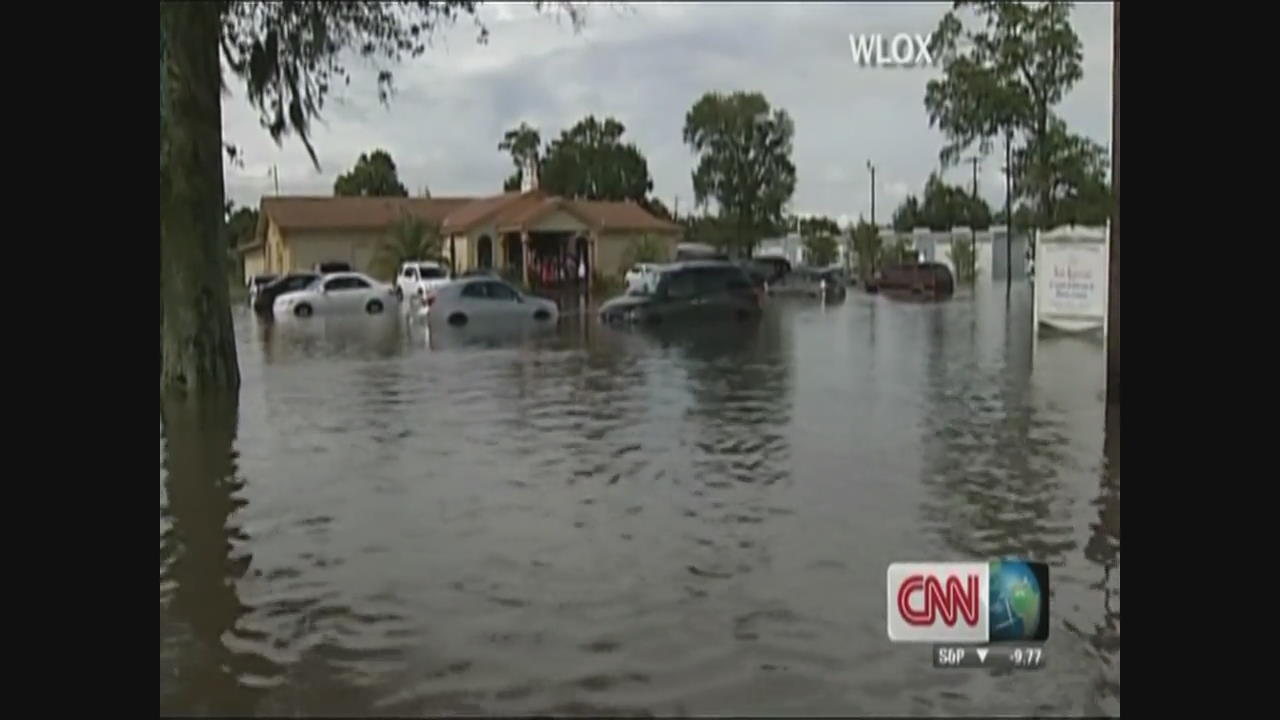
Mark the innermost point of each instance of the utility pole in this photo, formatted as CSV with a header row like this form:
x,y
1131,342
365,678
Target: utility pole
x,y
872,168
1113,282
1008,212
973,225
275,173
675,214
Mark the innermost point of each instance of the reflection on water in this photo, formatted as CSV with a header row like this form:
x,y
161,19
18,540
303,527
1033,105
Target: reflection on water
x,y
586,520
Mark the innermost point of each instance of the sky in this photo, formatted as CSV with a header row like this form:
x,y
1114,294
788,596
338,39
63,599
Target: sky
x,y
646,64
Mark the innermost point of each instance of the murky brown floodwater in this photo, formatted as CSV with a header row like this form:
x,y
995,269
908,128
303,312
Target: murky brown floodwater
x,y
598,522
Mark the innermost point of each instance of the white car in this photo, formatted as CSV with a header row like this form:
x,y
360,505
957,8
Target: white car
x,y
337,294
486,300
419,278
642,277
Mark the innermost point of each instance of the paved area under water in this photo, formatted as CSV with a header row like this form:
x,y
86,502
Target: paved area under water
x,y
587,520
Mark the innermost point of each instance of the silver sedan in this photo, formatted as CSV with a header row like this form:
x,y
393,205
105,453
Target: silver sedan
x,y
486,300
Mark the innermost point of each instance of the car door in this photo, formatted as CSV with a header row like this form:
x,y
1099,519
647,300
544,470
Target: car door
x,y
346,295
408,280
676,301
504,301
473,300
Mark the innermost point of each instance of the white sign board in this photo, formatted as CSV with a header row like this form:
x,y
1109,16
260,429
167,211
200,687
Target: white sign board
x,y
1071,278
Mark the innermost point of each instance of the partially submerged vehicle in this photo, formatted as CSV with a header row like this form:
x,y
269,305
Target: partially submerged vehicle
x,y
695,291
924,281
698,251
818,283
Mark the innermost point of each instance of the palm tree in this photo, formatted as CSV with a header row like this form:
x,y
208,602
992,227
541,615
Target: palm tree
x,y
411,239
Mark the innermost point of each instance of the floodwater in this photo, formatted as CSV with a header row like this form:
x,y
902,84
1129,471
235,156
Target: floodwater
x,y
594,521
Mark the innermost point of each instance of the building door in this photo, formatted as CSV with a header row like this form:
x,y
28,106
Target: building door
x,y
484,252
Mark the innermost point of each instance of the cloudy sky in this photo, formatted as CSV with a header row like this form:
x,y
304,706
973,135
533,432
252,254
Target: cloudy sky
x,y
646,64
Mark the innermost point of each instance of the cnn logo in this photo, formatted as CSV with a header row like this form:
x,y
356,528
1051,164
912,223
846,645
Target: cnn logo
x,y
939,602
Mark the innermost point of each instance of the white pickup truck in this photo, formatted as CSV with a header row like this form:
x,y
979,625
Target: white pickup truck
x,y
419,278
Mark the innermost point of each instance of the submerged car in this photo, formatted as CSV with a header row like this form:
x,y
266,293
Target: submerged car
x,y
338,294
265,297
255,283
419,278
482,299
817,283
695,291
925,280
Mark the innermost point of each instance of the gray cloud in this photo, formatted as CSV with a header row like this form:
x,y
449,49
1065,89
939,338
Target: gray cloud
x,y
646,65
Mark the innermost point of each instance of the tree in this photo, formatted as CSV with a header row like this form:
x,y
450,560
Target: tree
x,y
590,161
241,224
523,143
1074,178
1013,70
373,176
816,226
657,208
410,239
867,245
819,234
962,259
821,250
744,162
944,207
287,55
646,249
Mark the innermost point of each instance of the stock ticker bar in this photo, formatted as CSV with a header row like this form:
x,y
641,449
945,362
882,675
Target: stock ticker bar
x,y
999,657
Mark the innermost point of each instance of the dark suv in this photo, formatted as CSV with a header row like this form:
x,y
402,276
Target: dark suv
x,y
267,294
695,291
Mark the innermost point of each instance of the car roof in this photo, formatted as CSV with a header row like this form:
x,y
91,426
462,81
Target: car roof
x,y
425,263
352,274
698,265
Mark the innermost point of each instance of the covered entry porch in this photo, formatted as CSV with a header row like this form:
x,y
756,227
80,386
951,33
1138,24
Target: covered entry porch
x,y
551,249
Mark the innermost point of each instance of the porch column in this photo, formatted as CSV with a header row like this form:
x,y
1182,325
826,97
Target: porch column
x,y
524,255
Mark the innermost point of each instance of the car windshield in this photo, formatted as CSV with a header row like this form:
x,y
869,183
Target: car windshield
x,y
432,273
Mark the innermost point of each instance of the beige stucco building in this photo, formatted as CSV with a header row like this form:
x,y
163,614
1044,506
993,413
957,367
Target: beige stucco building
x,y
539,237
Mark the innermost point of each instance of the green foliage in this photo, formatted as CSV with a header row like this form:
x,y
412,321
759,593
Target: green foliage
x,y
1013,69
963,259
744,162
646,249
523,144
410,239
290,55
709,230
898,251
373,176
821,250
591,161
945,206
240,225
815,226
1071,180
657,208
606,285
868,247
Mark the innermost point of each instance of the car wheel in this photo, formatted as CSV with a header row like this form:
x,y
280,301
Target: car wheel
x,y
457,319
303,310
374,307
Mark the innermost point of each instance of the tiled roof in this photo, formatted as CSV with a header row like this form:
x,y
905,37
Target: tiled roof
x,y
455,214
322,213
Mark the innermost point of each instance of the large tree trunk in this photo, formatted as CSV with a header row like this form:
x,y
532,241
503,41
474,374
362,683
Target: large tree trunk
x,y
198,350
1113,294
